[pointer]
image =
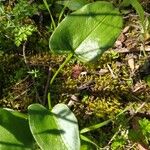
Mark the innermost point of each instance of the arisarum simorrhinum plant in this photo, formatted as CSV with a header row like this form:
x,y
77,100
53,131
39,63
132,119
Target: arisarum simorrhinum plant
x,y
86,33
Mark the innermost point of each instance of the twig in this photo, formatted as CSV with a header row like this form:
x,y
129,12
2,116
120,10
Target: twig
x,y
20,95
24,54
111,71
137,110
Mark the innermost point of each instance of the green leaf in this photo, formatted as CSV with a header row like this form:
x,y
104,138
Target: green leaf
x,y
145,127
56,129
87,32
14,131
86,139
73,4
139,9
94,127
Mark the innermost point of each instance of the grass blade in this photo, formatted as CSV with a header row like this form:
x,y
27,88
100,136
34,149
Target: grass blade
x,y
94,127
47,7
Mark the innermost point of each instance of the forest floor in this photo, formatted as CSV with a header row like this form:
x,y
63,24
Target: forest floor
x,y
95,93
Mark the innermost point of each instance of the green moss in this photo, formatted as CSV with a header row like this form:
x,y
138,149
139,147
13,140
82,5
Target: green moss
x,y
100,94
106,107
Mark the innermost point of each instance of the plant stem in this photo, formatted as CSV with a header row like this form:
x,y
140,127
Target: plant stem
x,y
61,13
47,7
54,76
47,86
49,101
62,65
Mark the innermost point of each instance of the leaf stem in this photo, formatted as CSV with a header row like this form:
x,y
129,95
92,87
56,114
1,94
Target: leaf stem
x,y
49,101
54,76
62,65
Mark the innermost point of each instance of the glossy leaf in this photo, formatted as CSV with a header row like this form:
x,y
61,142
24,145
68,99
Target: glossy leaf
x,y
14,131
87,32
56,129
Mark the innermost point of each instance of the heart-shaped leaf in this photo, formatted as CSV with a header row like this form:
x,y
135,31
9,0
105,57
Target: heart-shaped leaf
x,y
87,32
14,131
56,129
